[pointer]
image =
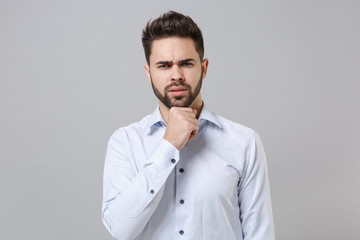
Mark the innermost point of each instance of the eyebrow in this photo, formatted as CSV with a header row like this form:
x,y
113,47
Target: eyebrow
x,y
171,62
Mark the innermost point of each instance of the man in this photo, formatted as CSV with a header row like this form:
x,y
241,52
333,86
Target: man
x,y
184,172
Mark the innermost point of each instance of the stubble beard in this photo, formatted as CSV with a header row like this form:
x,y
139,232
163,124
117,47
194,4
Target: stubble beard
x,y
178,101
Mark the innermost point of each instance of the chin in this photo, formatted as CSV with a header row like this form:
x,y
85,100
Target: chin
x,y
179,105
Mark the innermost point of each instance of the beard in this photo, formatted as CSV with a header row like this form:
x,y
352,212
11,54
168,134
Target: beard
x,y
178,101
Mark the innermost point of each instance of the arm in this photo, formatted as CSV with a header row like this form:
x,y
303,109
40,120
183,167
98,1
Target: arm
x,y
130,196
254,198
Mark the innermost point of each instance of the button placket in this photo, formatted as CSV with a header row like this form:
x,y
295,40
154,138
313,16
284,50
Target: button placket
x,y
181,209
182,201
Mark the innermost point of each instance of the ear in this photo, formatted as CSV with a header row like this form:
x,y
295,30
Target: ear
x,y
204,66
147,72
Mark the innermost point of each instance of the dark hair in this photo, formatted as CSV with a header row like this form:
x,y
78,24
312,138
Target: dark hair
x,y
171,24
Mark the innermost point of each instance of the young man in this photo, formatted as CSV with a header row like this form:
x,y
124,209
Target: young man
x,y
184,172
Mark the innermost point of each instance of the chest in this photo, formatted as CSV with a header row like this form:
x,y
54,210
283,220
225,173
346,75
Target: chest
x,y
209,169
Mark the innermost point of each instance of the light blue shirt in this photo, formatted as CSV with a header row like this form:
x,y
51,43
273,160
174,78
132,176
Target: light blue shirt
x,y
216,187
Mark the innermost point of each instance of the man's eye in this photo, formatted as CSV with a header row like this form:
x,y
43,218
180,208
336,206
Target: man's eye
x,y
163,66
186,64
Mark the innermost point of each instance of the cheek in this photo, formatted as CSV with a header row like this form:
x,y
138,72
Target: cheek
x,y
193,76
159,81
160,77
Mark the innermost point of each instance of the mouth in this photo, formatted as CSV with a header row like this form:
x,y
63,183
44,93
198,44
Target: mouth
x,y
177,91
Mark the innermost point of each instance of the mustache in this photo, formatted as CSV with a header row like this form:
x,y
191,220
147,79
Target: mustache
x,y
177,84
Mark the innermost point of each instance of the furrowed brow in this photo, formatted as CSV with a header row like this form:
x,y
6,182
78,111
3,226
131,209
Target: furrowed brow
x,y
164,63
186,60
169,63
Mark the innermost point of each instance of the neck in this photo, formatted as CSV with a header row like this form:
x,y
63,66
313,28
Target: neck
x,y
197,105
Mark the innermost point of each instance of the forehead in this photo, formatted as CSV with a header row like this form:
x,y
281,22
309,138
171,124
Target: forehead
x,y
173,49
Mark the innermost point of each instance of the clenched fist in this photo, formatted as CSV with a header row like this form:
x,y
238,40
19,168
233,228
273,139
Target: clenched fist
x,y
182,126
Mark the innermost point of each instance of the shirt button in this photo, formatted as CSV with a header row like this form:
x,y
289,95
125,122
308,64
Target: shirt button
x,y
182,201
173,160
181,170
181,232
152,191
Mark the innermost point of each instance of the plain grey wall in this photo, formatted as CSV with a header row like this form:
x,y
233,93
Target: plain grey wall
x,y
72,72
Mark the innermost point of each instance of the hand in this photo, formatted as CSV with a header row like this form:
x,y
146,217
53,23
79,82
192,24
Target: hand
x,y
182,126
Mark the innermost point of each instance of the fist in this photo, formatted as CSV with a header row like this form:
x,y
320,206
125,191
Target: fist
x,y
182,126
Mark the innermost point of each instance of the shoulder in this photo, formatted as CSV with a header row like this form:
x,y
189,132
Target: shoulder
x,y
236,131
234,126
135,128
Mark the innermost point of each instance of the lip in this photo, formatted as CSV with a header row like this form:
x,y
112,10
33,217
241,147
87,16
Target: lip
x,y
177,91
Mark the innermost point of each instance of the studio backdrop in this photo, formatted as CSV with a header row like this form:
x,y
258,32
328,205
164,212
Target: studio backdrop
x,y
71,73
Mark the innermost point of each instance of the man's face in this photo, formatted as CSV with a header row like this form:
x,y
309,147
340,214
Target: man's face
x,y
176,72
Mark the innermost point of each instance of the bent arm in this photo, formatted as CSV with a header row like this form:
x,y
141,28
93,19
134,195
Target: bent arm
x,y
131,196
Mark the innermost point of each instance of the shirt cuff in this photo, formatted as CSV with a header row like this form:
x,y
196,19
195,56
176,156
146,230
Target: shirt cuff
x,y
160,163
156,170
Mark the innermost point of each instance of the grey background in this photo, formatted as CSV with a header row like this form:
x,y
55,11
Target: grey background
x,y
71,72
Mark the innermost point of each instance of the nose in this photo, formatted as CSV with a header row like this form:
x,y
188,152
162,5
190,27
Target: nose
x,y
177,74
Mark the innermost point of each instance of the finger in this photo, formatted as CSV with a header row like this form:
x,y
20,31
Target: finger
x,y
192,135
194,132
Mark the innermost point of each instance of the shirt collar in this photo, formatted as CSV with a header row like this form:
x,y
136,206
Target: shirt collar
x,y
207,115
156,118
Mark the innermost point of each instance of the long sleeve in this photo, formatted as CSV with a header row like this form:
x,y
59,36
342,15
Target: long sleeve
x,y
254,198
131,194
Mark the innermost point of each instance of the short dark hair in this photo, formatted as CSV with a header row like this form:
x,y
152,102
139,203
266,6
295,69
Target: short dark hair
x,y
171,24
